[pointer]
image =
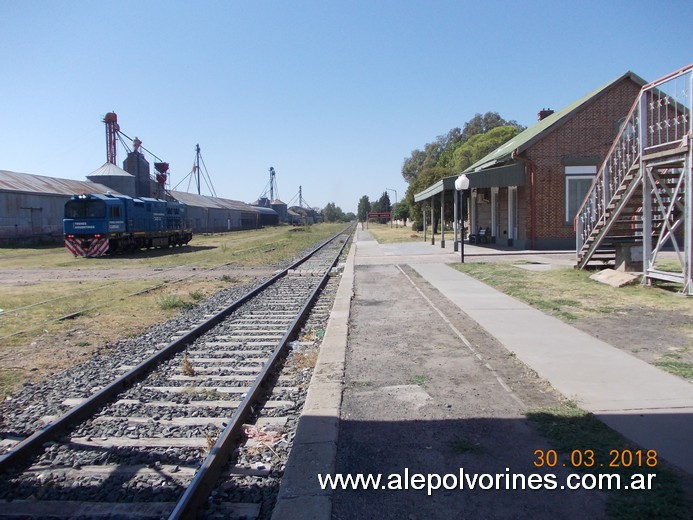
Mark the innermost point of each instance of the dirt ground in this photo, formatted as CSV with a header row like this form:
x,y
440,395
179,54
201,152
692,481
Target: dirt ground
x,y
75,340
641,333
422,402
18,277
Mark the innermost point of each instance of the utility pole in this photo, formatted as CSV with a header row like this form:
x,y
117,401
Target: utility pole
x,y
271,184
392,189
197,166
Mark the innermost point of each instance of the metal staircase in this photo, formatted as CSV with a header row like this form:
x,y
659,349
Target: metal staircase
x,y
641,200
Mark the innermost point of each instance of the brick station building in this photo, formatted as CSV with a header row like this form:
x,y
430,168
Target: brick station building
x,y
525,193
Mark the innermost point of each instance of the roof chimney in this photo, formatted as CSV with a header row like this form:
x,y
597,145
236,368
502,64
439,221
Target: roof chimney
x,y
544,113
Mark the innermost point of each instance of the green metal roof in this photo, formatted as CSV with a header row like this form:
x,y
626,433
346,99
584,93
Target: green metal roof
x,y
512,174
525,139
507,175
446,183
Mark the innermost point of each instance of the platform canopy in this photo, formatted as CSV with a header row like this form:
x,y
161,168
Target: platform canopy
x,y
512,174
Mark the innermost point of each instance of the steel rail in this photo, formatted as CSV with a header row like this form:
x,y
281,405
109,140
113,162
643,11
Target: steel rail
x,y
204,481
32,444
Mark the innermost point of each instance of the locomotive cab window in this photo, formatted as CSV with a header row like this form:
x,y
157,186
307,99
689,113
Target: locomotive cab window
x,y
85,209
114,212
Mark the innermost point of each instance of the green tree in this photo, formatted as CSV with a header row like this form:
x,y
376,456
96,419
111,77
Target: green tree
x,y
364,208
400,211
452,153
413,165
480,145
431,154
332,213
440,153
381,205
427,177
384,202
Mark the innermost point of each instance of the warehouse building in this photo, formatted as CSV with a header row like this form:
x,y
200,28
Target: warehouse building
x,y
32,206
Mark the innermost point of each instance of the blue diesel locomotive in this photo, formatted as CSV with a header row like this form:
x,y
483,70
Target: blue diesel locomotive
x,y
96,224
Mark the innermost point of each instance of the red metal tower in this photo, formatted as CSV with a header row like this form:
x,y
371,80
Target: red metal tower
x,y
112,128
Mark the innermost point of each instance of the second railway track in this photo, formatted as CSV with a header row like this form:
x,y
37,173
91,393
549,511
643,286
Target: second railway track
x,y
162,440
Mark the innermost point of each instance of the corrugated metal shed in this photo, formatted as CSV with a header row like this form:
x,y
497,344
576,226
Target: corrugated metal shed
x,y
214,214
32,206
235,204
268,216
27,183
204,201
299,215
193,199
265,211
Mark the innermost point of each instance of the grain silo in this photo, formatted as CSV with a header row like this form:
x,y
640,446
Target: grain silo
x,y
281,209
115,178
137,165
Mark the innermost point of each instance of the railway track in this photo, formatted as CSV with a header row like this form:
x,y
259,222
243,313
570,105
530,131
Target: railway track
x,y
185,429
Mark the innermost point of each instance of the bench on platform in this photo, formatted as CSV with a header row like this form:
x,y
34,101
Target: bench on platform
x,y
483,236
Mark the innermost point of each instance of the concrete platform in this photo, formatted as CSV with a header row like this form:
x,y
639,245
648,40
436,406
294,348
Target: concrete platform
x,y
642,402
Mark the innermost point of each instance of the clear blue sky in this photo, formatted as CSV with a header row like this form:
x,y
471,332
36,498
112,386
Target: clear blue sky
x,y
333,94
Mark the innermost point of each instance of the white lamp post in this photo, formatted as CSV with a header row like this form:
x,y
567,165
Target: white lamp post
x,y
461,184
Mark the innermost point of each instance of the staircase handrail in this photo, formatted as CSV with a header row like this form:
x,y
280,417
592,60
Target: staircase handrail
x,y
628,147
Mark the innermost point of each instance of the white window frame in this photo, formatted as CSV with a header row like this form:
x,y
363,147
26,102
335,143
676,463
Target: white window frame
x,y
574,173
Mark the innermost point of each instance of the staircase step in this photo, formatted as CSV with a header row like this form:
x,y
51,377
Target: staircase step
x,y
599,247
